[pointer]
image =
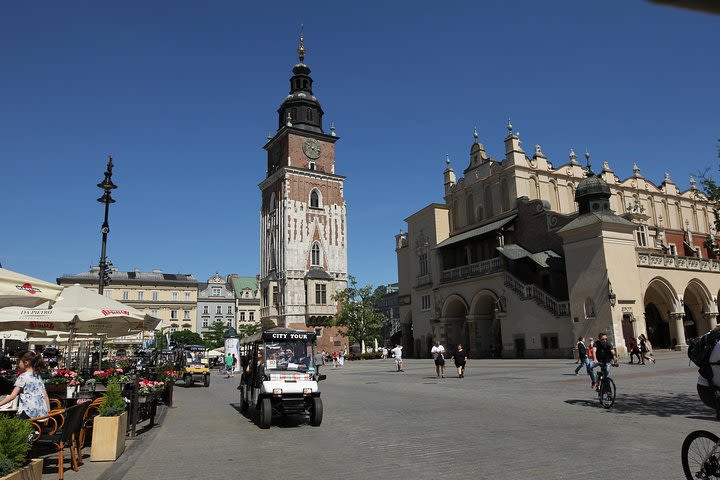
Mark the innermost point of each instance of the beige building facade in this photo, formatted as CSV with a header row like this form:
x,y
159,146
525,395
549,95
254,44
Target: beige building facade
x,y
169,297
247,300
508,264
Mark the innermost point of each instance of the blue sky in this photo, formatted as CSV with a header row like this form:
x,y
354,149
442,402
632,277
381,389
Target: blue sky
x,y
183,94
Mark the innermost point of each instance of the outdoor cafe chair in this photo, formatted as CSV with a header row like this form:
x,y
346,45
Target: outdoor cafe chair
x,y
92,410
60,430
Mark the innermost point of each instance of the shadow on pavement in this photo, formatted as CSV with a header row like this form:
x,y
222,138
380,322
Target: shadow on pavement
x,y
659,405
282,421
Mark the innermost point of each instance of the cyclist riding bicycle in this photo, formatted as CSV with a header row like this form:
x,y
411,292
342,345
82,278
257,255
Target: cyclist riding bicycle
x,y
605,357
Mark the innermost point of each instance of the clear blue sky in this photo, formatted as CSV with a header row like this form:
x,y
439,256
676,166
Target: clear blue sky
x,y
183,95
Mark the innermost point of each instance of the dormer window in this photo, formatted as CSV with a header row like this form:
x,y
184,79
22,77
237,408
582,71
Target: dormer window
x,y
312,166
315,255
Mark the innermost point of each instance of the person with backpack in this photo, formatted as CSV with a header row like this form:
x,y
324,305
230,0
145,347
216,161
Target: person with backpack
x,y
705,353
634,351
582,354
646,349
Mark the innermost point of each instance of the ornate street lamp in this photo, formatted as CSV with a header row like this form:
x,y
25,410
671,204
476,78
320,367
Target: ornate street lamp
x,y
107,186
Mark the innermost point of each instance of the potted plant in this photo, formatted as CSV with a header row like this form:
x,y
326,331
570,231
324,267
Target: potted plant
x,y
109,427
60,381
14,446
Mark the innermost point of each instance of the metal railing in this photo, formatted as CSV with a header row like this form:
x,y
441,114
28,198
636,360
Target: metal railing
x,y
485,267
540,296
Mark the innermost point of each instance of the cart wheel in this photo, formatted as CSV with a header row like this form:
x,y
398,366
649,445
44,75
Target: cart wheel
x,y
244,404
316,412
264,414
186,381
207,380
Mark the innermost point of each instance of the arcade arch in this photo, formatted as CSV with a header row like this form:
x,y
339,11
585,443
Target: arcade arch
x,y
698,304
455,322
660,300
484,327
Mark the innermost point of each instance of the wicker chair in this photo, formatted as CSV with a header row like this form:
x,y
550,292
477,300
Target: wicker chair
x,y
87,424
60,430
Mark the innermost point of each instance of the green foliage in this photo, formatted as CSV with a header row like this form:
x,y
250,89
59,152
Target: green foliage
x,y
247,329
14,440
186,337
358,313
215,336
6,466
711,189
160,341
114,404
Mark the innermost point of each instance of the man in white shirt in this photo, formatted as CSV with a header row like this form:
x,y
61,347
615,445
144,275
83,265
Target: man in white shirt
x,y
438,354
397,353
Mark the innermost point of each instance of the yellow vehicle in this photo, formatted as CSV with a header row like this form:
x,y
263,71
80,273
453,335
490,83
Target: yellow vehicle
x,y
193,362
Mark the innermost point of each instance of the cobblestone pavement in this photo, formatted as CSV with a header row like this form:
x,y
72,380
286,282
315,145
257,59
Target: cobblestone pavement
x,y
507,419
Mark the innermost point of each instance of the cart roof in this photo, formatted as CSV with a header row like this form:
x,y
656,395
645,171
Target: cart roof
x,y
280,334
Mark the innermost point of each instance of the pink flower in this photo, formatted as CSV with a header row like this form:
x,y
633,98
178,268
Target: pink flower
x,y
119,370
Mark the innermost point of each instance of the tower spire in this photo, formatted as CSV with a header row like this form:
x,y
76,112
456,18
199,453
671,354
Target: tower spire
x,y
301,48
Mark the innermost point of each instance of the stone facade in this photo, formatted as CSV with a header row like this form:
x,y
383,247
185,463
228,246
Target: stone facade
x,y
171,297
303,230
216,303
247,300
503,260
389,305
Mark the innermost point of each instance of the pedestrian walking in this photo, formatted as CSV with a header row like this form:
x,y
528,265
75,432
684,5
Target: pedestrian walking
x,y
460,357
492,350
438,354
228,365
335,359
384,353
319,360
397,353
582,355
233,366
646,349
341,358
635,351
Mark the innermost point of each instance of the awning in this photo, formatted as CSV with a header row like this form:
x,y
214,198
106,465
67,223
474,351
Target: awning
x,y
516,252
477,232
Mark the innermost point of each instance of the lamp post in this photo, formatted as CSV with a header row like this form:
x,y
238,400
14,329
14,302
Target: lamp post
x,y
107,186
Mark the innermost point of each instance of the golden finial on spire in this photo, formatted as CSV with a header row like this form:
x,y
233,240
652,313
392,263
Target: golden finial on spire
x,y
301,48
475,134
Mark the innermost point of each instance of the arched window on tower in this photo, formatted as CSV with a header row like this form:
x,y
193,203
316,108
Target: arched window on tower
x,y
504,195
571,195
308,114
294,113
455,215
470,211
489,210
534,189
314,199
554,196
315,255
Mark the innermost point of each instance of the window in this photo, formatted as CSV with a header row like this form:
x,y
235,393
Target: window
x,y
423,264
173,329
155,296
425,303
187,329
187,296
314,198
312,166
216,292
242,316
173,314
308,114
205,322
107,293
252,316
589,308
186,314
315,256
318,332
154,313
141,295
672,249
320,294
174,296
206,310
229,322
230,310
275,296
218,310
550,341
126,295
641,236
470,210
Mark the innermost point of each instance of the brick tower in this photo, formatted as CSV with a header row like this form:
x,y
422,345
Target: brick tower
x,y
303,229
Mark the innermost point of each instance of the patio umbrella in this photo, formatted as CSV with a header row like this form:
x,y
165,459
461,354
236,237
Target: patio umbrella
x,y
17,290
13,335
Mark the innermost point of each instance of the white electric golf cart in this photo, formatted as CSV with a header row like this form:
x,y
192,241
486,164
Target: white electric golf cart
x,y
279,376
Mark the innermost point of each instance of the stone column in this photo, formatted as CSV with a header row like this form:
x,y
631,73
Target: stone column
x,y
442,332
711,318
678,318
473,347
407,340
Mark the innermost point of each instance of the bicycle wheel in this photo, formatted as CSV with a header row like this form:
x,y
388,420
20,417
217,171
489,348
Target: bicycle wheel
x,y
701,456
607,393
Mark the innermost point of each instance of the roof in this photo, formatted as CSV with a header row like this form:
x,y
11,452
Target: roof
x,y
594,218
134,277
318,274
476,232
241,283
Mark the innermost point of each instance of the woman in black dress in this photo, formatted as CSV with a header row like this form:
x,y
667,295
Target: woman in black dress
x,y
460,357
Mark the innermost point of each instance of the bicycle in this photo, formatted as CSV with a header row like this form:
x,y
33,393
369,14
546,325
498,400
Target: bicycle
x,y
605,388
701,455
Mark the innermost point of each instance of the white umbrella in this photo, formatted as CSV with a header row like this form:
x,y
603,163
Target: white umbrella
x,y
18,290
216,353
13,335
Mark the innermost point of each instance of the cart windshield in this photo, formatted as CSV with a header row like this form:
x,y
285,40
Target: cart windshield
x,y
288,356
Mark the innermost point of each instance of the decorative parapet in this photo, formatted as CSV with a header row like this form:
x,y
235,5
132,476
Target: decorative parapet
x,y
423,280
541,297
658,260
479,269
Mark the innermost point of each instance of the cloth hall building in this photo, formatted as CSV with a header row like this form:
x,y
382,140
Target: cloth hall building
x,y
523,257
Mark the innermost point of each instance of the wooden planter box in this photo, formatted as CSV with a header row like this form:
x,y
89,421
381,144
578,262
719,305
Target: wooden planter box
x,y
57,388
108,438
32,471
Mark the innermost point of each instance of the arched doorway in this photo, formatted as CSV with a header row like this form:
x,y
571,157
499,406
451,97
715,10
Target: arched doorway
x,y
406,336
483,326
697,302
660,300
454,321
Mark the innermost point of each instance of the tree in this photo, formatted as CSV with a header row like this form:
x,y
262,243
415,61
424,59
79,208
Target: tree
x,y
215,337
358,313
711,189
160,341
186,337
247,329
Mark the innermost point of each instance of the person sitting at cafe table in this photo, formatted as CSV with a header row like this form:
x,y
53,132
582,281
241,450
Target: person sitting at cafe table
x,y
34,401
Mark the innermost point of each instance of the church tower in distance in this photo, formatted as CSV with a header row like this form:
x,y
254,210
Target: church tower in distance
x,y
303,228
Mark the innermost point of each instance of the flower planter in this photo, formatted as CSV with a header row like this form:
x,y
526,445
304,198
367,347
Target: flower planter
x,y
58,388
108,438
31,471
71,391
